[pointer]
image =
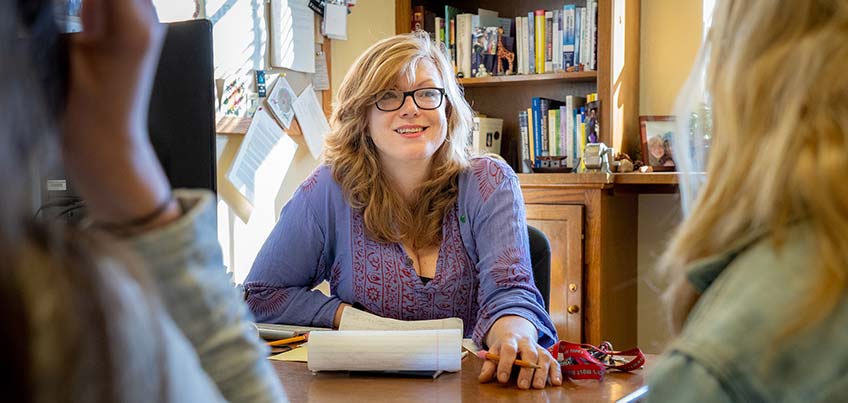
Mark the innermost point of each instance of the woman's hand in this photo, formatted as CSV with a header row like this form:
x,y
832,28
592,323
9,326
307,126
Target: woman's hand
x,y
514,337
105,145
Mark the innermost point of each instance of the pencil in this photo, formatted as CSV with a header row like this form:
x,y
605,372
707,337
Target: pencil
x,y
494,357
289,340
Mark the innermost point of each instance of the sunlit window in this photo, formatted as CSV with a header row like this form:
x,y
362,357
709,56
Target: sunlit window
x,y
176,10
709,5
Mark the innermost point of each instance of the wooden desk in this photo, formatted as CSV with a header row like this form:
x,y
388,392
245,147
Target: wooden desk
x,y
301,385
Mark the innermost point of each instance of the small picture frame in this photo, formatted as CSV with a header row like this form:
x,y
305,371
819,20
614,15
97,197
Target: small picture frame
x,y
657,139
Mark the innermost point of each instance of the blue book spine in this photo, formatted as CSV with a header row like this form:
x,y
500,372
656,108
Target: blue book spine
x,y
537,130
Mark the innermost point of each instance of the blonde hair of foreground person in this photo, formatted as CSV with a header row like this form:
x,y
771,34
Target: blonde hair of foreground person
x,y
779,148
353,157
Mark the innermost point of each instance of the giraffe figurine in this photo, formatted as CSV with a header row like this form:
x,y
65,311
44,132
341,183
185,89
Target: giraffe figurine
x,y
503,54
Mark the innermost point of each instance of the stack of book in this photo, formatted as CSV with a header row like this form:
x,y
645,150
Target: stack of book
x,y
544,41
551,127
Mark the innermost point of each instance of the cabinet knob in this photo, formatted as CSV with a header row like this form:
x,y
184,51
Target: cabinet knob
x,y
573,309
572,287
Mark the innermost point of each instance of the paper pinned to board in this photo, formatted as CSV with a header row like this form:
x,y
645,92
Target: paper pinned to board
x,y
321,78
355,319
335,21
262,160
313,123
292,35
380,350
281,100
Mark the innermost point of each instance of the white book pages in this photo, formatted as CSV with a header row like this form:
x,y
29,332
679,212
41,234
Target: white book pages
x,y
386,350
355,319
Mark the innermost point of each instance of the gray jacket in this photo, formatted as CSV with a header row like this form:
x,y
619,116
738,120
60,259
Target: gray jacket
x,y
730,348
214,353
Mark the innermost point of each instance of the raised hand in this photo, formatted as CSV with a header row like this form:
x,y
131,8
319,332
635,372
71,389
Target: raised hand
x,y
105,144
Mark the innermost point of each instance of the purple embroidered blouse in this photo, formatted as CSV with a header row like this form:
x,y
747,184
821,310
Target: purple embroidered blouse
x,y
483,271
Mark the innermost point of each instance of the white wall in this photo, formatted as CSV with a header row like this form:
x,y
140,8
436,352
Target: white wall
x,y
670,37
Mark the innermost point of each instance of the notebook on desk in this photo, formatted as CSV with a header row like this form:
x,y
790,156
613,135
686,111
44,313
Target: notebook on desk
x,y
369,343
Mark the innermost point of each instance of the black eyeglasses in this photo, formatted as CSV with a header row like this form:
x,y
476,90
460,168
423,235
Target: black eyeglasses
x,y
424,98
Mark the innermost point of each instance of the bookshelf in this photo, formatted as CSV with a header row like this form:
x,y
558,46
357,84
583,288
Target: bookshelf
x,y
589,219
524,79
616,79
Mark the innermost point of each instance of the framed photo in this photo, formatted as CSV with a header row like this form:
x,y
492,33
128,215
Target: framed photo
x,y
657,138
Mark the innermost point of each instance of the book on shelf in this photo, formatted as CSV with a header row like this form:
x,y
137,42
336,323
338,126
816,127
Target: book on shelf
x,y
532,142
556,132
486,136
572,107
539,20
464,32
450,34
526,160
531,41
549,33
484,50
568,36
544,41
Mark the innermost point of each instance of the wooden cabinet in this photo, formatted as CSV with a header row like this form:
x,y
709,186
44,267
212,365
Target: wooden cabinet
x,y
563,225
591,226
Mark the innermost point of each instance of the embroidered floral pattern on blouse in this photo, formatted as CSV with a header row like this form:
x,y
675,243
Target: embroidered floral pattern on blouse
x,y
311,181
512,269
489,176
265,299
385,284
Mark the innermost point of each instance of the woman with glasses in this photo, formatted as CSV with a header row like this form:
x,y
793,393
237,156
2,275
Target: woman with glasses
x,y
403,224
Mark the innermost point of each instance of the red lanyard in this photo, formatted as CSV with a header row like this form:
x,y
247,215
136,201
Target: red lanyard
x,y
585,361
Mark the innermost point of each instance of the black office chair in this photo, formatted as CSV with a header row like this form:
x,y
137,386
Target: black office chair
x,y
540,260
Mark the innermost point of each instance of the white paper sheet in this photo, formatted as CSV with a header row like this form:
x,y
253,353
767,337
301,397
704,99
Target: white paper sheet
x,y
312,121
335,21
321,78
355,319
381,350
262,160
292,35
220,144
280,101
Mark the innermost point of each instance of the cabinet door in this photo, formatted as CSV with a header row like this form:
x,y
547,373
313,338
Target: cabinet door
x,y
563,225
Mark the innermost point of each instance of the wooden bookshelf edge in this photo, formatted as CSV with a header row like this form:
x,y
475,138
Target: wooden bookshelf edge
x,y
528,78
633,178
230,125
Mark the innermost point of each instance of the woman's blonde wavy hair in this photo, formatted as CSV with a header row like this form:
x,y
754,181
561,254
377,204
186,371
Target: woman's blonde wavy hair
x,y
353,157
779,151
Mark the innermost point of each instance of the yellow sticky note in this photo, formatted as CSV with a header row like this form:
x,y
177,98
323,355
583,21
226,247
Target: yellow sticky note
x,y
296,355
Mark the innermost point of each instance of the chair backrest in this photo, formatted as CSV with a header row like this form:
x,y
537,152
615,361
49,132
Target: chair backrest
x,y
540,259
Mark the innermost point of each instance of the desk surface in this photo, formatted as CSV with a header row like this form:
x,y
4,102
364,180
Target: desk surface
x,y
301,385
